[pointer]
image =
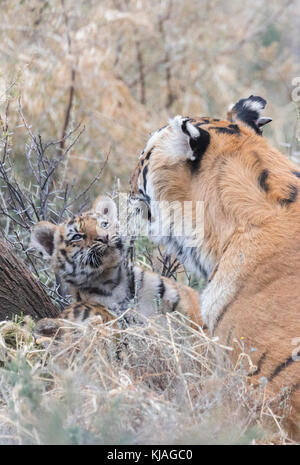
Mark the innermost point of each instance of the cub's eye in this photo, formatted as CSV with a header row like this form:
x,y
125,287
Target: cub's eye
x,y
104,224
76,237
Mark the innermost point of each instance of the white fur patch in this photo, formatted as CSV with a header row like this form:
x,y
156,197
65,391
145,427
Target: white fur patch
x,y
253,105
177,142
213,300
152,140
106,207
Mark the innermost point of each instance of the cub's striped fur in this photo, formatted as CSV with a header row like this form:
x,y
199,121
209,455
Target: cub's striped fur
x,y
89,255
79,312
250,250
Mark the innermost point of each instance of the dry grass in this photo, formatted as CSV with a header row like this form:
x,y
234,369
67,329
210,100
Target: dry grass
x,y
156,383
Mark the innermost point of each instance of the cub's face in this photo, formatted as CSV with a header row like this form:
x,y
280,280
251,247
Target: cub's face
x,y
83,247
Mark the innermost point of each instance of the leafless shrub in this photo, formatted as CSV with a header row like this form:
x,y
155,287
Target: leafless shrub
x,y
38,190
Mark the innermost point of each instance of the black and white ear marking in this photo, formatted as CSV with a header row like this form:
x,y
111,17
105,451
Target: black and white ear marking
x,y
42,238
248,110
186,141
106,207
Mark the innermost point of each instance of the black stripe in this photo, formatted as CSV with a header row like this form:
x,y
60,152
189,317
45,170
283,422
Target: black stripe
x,y
161,289
194,254
231,129
86,313
119,244
76,311
64,254
292,197
131,284
281,367
145,171
147,156
142,279
184,129
259,364
262,180
76,254
296,173
199,147
220,317
96,290
145,196
175,304
149,153
203,121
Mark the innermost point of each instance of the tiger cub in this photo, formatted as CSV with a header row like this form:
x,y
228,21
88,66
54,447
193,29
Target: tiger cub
x,y
89,255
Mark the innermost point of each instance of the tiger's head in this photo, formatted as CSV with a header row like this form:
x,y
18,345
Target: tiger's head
x,y
83,247
187,139
240,179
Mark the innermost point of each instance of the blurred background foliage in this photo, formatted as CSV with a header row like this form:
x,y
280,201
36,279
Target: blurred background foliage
x,y
119,69
122,67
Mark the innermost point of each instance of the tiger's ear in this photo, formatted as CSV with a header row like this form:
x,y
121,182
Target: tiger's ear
x,y
42,238
262,121
185,141
106,207
248,110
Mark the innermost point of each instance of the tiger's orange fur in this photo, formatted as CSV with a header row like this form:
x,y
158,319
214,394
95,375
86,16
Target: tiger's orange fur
x,y
250,251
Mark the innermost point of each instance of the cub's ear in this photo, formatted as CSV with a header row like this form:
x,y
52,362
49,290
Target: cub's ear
x,y
185,141
106,207
248,110
42,238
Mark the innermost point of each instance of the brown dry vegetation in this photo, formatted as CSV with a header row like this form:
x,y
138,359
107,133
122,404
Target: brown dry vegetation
x,y
162,383
120,68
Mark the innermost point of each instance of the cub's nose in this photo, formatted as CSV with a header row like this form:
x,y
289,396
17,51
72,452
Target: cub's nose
x,y
103,238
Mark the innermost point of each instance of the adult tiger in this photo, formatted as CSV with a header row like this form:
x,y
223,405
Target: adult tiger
x,y
250,248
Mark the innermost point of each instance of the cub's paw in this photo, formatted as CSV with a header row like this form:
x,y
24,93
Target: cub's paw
x,y
47,327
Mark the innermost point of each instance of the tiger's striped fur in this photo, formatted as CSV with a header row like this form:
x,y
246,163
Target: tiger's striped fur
x,y
250,250
89,254
79,312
